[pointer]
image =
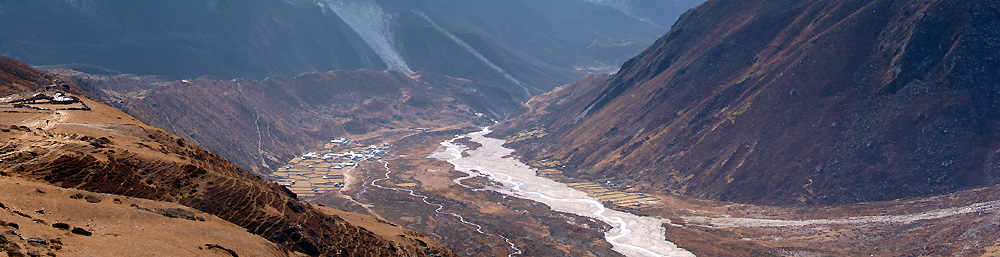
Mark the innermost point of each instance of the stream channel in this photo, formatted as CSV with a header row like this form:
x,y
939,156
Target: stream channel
x,y
631,235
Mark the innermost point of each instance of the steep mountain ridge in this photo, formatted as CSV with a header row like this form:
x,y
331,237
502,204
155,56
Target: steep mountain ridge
x,y
101,149
786,102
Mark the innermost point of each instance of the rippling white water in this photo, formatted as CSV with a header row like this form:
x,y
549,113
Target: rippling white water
x,y
632,235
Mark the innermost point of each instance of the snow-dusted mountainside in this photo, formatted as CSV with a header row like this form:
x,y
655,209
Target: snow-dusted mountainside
x,y
526,47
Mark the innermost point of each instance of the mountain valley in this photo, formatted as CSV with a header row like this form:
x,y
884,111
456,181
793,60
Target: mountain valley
x,y
500,128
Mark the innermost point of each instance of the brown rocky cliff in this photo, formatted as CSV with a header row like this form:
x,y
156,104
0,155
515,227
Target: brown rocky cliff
x,y
105,150
784,102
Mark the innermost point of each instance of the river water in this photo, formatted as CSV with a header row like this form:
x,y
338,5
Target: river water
x,y
631,235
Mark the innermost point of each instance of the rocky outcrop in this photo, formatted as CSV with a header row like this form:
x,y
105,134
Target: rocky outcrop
x,y
788,102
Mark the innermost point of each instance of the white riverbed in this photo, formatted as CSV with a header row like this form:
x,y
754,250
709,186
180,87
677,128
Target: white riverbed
x,y
632,235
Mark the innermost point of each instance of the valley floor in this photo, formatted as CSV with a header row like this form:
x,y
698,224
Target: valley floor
x,y
468,215
408,189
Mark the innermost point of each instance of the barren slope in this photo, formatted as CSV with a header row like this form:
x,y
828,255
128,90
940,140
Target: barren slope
x,y
118,225
783,102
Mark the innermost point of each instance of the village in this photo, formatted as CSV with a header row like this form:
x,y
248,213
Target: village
x,y
317,173
43,101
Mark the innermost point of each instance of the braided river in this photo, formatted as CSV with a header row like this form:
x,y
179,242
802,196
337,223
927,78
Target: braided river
x,y
631,235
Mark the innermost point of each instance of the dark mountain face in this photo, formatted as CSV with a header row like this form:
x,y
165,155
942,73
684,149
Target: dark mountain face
x,y
523,46
783,102
183,38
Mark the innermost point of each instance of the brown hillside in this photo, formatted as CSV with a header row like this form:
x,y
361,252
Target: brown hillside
x,y
118,225
17,77
107,151
783,102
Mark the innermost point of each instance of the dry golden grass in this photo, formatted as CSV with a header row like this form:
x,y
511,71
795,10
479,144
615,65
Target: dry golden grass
x,y
119,229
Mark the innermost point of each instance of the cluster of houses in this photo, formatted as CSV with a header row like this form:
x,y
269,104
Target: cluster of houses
x,y
42,98
319,172
38,100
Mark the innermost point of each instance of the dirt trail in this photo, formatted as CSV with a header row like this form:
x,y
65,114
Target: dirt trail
x,y
45,123
256,124
727,222
56,118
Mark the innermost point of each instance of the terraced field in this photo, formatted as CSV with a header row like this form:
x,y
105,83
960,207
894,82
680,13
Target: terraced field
x,y
611,195
550,169
528,134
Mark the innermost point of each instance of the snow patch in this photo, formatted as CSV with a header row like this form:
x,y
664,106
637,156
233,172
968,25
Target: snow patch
x,y
374,24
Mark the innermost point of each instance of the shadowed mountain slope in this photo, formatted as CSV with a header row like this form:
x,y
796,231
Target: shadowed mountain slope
x,y
260,125
183,38
525,47
786,102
